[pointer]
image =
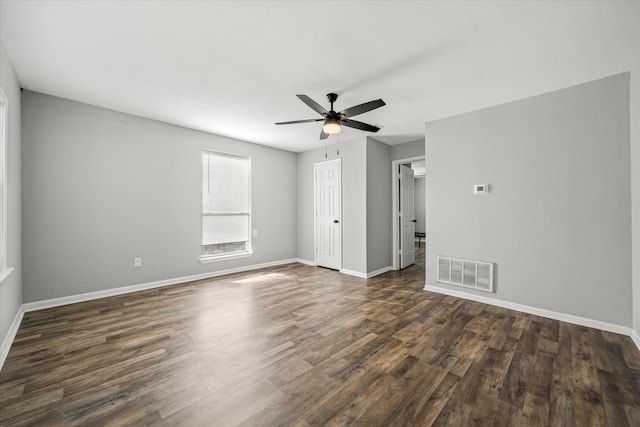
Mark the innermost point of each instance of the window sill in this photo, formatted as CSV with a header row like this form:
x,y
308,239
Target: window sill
x,y
4,274
210,259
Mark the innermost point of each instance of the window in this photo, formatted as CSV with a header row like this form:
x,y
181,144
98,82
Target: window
x,y
4,271
226,206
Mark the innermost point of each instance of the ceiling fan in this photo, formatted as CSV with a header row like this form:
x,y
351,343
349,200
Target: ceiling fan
x,y
333,121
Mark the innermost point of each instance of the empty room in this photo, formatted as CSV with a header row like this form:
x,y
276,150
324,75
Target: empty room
x,y
314,213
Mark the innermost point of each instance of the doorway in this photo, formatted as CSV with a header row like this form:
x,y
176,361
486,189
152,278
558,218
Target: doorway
x,y
408,207
327,203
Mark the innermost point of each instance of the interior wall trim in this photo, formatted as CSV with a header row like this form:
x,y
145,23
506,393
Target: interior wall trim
x,y
353,273
379,271
366,275
11,335
306,262
564,317
636,338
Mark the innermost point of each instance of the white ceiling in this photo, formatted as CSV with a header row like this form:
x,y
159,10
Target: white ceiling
x,y
234,68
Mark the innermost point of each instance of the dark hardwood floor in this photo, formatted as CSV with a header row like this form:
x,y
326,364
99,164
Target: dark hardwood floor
x,y
303,346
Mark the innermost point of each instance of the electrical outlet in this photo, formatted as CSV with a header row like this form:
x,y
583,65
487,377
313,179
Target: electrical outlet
x,y
255,233
137,262
480,188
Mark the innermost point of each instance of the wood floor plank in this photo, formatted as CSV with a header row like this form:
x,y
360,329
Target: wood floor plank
x,y
295,345
515,385
509,415
365,399
613,404
395,391
454,413
407,411
539,383
355,386
588,401
31,403
535,411
436,402
561,406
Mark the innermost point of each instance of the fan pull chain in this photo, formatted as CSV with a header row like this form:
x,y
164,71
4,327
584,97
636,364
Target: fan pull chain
x,y
325,148
338,145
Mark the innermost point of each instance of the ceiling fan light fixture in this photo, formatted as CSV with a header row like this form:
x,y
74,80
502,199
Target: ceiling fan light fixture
x,y
331,126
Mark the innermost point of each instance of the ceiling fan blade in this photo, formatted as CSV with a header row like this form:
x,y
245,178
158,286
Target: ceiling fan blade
x,y
359,125
299,121
313,104
362,108
323,134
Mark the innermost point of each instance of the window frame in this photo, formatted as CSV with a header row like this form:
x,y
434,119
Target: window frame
x,y
5,271
205,259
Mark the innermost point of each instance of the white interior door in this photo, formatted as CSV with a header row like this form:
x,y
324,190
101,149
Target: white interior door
x,y
407,217
328,223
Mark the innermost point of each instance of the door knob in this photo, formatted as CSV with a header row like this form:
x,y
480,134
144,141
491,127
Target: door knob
x,y
415,220
335,221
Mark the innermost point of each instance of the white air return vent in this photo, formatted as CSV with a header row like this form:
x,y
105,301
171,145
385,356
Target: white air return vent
x,y
471,274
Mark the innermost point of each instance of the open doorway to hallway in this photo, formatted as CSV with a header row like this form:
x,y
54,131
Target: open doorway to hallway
x,y
408,207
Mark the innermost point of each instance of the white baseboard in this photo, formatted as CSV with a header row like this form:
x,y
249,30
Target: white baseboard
x,y
354,273
366,275
11,335
378,272
72,299
306,262
569,318
636,338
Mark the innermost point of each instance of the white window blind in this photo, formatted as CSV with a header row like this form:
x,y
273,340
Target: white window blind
x,y
3,185
226,212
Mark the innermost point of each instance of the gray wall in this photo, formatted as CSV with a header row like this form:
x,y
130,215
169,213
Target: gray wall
x,y
354,201
354,205
378,205
420,204
407,150
11,287
557,220
102,187
304,220
635,187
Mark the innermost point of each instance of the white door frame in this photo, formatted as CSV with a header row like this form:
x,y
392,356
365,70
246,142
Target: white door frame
x,y
315,225
395,250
